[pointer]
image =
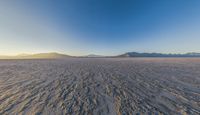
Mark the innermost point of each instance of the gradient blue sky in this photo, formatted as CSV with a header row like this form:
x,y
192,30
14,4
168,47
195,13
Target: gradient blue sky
x,y
104,27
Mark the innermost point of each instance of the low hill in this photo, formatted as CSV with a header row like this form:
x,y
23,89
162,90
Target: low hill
x,y
52,55
94,55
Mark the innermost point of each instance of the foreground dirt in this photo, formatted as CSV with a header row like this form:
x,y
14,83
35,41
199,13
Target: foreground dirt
x,y
100,86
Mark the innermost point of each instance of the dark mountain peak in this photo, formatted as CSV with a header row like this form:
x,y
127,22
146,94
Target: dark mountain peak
x,y
136,54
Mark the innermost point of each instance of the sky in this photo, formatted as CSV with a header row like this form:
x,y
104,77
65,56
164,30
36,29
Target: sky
x,y
103,27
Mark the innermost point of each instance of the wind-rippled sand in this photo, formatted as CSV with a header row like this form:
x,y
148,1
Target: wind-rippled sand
x,y
100,86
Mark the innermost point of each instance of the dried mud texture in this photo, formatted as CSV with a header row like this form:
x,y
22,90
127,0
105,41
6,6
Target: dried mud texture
x,y
100,86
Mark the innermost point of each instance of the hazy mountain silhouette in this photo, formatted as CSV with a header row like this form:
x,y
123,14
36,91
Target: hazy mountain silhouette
x,y
54,55
51,55
136,54
94,55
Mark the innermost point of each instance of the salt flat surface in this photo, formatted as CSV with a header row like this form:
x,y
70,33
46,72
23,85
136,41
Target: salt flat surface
x,y
100,86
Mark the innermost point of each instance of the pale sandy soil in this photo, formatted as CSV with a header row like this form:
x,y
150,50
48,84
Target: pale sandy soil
x,y
100,86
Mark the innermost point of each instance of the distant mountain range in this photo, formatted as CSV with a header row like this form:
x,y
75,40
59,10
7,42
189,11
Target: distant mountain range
x,y
93,55
54,55
136,54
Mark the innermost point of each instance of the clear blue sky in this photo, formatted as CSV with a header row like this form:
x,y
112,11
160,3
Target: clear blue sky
x,y
104,27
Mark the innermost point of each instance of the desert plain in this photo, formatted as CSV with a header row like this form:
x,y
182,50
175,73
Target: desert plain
x,y
100,86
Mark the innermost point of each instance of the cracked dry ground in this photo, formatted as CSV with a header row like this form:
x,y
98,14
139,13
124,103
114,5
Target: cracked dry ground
x,y
100,86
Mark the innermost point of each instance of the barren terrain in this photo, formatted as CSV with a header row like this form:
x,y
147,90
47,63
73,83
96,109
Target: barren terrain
x,y
100,86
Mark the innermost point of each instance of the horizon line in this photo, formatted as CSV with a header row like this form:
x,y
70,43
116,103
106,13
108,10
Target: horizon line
x,y
51,52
